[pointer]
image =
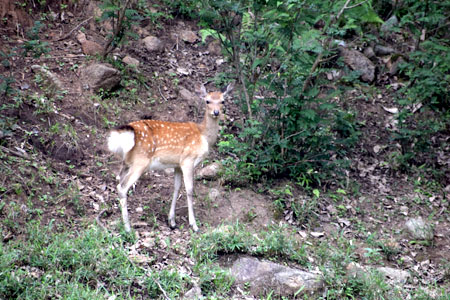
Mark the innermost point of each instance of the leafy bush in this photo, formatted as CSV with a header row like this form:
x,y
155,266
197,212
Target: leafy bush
x,y
276,50
34,45
425,98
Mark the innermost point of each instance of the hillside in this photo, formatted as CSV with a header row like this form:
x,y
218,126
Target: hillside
x,y
351,205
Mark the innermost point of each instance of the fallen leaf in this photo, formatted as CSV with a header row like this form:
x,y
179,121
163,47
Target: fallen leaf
x,y
392,110
317,234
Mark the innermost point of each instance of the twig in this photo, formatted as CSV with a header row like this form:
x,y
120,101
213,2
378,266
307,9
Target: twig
x,y
357,4
75,28
116,30
327,43
99,222
159,89
15,153
162,290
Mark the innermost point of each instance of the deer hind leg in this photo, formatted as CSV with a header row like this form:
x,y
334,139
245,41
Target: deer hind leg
x,y
127,179
176,192
188,176
123,170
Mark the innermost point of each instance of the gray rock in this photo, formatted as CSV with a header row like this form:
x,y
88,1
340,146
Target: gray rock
x,y
100,76
189,97
355,270
130,61
359,62
397,276
50,80
215,48
188,36
213,194
383,50
153,44
389,24
264,276
368,52
210,172
395,66
193,294
419,229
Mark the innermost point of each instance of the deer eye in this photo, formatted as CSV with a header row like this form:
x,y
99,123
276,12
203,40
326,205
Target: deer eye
x,y
223,102
207,102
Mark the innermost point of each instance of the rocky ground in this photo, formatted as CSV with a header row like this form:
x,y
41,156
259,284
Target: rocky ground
x,y
397,224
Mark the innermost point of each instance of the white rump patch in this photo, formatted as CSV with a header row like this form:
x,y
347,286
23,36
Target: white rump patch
x,y
121,142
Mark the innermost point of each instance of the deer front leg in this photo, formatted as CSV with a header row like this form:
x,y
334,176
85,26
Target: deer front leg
x,y
176,191
188,176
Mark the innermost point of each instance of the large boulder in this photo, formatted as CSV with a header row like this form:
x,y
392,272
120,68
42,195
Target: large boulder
x,y
99,76
263,277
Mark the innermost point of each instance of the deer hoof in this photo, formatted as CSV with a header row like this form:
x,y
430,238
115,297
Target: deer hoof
x,y
172,224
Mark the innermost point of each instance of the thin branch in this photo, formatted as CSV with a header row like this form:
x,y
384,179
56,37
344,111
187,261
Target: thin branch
x,y
327,44
99,222
159,89
117,27
75,28
15,153
358,4
162,290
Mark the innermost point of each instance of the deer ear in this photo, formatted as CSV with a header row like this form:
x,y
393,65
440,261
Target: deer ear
x,y
201,91
228,89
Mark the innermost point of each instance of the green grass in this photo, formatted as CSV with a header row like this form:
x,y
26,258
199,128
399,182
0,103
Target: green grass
x,y
88,265
271,243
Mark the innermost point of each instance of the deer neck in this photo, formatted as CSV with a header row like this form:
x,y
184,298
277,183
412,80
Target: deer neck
x,y
210,129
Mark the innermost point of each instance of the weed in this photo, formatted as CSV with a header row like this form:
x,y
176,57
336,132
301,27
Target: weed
x,y
44,264
34,45
274,242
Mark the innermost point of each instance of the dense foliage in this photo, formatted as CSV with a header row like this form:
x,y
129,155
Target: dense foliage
x,y
280,51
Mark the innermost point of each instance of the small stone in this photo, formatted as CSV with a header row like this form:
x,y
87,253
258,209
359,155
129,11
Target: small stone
x,y
153,44
358,62
194,293
189,36
130,61
209,172
404,210
215,48
188,96
419,229
81,37
91,48
383,50
51,81
213,194
100,76
395,66
389,24
396,275
264,276
183,71
368,52
355,270
139,209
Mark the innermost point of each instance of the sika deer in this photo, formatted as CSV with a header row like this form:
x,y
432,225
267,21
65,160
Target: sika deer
x,y
156,145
